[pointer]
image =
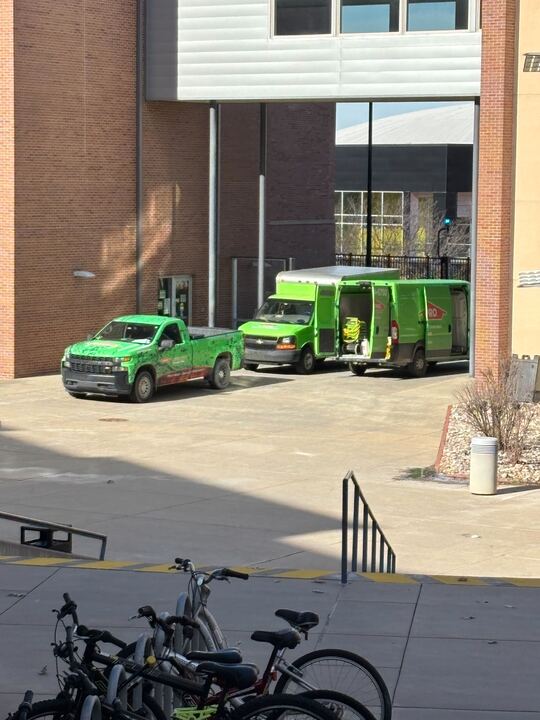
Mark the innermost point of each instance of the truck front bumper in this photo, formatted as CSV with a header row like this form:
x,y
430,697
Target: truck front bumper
x,y
272,357
111,384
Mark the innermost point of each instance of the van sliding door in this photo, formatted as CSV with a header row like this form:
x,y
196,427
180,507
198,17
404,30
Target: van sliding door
x,y
325,321
439,319
380,325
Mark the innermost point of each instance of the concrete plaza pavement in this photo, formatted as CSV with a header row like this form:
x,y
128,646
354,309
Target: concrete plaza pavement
x,y
447,652
252,475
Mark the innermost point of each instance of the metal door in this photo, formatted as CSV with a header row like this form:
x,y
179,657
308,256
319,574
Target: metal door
x,y
438,311
325,320
380,321
175,297
244,284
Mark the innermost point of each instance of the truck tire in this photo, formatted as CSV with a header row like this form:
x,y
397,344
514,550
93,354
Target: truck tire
x,y
221,374
143,388
306,364
251,366
357,368
418,367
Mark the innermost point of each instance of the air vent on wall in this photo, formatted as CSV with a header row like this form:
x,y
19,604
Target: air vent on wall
x,y
531,278
532,62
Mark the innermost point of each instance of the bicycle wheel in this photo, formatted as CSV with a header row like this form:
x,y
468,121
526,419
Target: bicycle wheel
x,y
343,706
342,671
56,708
281,707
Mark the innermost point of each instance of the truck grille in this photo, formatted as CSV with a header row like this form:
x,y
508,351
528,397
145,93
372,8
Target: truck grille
x,y
260,343
79,363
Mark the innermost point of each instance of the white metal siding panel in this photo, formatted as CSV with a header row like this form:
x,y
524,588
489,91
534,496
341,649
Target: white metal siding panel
x,y
221,50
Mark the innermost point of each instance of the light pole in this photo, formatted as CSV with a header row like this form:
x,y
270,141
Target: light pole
x,y
447,222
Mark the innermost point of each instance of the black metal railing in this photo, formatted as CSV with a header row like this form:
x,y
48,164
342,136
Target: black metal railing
x,y
415,267
377,554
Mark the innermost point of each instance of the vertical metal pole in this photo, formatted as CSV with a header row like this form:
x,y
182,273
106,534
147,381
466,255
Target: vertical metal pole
x,y
344,529
473,234
381,556
369,209
365,523
262,205
139,104
354,562
374,546
235,292
212,214
388,560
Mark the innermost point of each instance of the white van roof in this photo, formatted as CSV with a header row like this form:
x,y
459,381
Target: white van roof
x,y
333,274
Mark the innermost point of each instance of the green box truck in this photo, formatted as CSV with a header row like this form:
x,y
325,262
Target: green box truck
x,y
362,316
299,324
135,354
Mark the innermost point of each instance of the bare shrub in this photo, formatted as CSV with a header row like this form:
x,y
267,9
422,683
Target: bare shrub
x,y
490,407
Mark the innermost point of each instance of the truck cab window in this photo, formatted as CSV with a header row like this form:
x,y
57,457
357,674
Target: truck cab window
x,y
172,332
303,17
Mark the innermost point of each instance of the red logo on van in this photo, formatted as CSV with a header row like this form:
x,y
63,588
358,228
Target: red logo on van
x,y
379,306
435,312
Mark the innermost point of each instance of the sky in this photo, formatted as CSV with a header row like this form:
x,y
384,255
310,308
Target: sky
x,y
348,114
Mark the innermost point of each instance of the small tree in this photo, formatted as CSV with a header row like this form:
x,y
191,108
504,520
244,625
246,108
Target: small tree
x,y
491,409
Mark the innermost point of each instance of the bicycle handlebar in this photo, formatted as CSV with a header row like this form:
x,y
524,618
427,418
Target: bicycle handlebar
x,y
95,636
227,572
68,608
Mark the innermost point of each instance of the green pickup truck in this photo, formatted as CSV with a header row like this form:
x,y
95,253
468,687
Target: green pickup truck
x,y
135,354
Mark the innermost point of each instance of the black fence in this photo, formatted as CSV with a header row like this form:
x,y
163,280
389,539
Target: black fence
x,y
415,267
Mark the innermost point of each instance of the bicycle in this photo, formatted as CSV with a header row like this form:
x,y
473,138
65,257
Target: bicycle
x,y
347,672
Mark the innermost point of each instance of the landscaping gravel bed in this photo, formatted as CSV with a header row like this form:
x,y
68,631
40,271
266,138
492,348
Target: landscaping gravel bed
x,y
457,451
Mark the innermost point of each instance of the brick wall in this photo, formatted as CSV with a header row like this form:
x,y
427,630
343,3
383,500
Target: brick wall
x,y
75,170
495,191
7,190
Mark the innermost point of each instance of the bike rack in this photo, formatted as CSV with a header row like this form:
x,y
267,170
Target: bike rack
x,y
375,546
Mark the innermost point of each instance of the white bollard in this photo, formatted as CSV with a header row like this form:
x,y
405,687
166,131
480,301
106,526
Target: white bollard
x,y
483,473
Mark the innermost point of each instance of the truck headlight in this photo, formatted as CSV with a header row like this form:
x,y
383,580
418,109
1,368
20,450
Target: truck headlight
x,y
286,343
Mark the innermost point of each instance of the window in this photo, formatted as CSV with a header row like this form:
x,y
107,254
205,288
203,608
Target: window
x,y
366,16
303,17
532,62
437,15
171,332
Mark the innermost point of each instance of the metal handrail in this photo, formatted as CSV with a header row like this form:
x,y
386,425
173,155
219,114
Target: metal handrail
x,y
372,546
58,526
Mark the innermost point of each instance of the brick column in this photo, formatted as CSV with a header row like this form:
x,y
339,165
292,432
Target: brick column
x,y
7,192
495,184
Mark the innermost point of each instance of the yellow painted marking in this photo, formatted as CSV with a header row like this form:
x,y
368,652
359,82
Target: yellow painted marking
x,y
451,580
246,569
303,574
389,578
165,568
523,582
43,561
105,564
8,557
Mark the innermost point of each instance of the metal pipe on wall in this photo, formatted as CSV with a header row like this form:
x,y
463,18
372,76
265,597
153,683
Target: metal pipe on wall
x,y
212,213
139,104
262,205
369,209
473,233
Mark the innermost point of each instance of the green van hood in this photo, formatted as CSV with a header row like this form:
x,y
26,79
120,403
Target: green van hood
x,y
267,329
105,348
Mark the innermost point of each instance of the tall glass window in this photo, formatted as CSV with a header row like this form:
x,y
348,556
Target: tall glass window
x,y
437,15
303,17
367,16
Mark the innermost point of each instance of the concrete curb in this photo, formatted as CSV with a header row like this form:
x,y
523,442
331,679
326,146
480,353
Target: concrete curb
x,y
442,443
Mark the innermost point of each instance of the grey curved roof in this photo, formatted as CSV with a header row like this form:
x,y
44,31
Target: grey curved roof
x,y
334,274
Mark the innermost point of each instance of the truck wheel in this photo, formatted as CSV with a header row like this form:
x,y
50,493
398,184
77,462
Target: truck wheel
x,y
221,374
417,368
357,368
143,388
251,366
306,364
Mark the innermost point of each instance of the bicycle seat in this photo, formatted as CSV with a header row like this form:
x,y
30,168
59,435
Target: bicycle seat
x,y
279,639
303,620
239,677
230,656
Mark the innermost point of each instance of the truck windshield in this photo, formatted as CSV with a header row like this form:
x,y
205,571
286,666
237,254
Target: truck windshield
x,y
128,332
290,312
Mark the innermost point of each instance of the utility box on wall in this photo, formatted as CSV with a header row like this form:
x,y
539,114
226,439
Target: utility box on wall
x,y
527,378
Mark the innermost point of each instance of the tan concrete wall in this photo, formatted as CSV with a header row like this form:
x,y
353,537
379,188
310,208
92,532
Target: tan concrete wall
x,y
7,191
526,255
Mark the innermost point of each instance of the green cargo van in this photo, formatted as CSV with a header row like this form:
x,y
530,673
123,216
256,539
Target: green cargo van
x,y
299,324
403,323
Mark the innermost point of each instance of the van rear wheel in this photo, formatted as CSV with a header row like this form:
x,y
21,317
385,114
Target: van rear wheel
x,y
357,368
417,368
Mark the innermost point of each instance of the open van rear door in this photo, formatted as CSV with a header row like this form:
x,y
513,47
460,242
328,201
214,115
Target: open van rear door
x,y
380,320
439,319
325,320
